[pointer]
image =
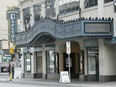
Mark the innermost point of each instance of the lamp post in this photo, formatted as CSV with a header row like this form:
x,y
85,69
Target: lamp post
x,y
9,68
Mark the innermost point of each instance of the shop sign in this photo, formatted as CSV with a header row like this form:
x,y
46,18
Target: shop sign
x,y
64,77
17,73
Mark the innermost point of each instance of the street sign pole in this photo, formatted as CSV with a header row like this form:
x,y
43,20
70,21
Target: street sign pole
x,y
69,66
68,52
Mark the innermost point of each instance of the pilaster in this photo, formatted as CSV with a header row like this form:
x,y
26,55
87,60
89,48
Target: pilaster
x,y
22,62
100,8
44,62
32,61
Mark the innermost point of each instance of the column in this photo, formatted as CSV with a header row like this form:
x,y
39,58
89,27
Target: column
x,y
115,24
82,47
44,62
57,50
107,71
101,57
100,8
32,62
22,63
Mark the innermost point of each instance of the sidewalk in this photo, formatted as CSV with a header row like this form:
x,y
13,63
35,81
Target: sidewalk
x,y
74,83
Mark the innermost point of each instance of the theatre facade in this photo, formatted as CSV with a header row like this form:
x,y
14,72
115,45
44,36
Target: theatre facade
x,y
92,57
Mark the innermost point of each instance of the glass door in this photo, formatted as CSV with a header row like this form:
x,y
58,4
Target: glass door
x,y
52,62
27,58
93,62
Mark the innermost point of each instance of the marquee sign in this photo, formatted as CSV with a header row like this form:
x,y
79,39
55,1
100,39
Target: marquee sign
x,y
97,28
65,30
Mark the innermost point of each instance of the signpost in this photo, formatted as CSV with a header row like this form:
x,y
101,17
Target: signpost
x,y
65,76
68,50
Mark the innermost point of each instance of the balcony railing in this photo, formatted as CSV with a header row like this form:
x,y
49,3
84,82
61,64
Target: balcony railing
x,y
68,7
90,3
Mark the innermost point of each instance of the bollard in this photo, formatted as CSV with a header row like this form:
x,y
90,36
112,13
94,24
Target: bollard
x,y
11,77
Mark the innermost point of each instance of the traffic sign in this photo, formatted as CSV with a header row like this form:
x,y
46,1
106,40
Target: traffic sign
x,y
68,48
67,44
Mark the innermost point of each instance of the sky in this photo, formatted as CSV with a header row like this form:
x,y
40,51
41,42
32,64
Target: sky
x,y
3,22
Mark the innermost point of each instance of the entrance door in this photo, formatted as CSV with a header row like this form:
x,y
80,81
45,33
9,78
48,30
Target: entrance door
x,y
38,65
93,63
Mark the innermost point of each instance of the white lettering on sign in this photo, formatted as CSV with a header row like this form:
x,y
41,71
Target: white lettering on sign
x,y
12,25
68,48
12,16
67,44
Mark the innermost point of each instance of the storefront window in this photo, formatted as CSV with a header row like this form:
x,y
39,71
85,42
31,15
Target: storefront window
x,y
52,62
27,62
91,52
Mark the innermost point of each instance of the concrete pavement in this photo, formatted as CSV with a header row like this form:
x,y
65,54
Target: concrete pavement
x,y
74,83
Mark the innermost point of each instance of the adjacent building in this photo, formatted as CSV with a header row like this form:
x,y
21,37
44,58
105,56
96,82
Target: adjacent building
x,y
46,26
7,54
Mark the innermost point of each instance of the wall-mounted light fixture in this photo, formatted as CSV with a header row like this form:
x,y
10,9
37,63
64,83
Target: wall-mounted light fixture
x,y
114,6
